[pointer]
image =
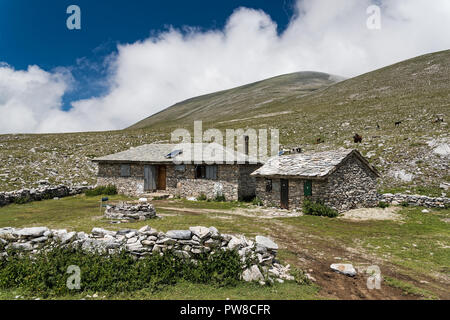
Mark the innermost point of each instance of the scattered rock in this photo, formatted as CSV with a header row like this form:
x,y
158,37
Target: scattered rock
x,y
344,268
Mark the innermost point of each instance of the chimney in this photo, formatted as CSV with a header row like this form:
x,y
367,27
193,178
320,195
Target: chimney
x,y
246,139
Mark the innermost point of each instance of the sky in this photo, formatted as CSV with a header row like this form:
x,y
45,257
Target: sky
x,y
133,58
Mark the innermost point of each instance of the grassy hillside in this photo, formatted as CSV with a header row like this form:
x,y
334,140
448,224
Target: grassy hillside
x,y
303,106
236,103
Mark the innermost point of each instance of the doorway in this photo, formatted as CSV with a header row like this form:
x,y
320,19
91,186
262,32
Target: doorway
x,y
161,185
284,196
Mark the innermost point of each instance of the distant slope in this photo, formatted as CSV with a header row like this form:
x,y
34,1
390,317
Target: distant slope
x,y
236,102
303,106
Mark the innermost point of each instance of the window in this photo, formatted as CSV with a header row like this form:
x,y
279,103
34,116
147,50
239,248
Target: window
x,y
268,185
125,170
180,168
206,172
307,188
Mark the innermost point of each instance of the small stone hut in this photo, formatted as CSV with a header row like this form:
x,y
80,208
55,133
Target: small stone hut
x,y
342,179
186,170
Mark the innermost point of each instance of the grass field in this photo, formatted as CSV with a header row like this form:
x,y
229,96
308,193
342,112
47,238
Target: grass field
x,y
412,253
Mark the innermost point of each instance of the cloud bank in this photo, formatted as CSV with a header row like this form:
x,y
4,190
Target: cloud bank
x,y
150,75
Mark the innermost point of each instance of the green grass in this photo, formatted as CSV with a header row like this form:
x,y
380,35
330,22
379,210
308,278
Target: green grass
x,y
416,247
189,291
408,289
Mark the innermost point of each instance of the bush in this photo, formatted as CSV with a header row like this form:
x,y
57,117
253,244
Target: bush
x,y
22,200
404,204
383,204
317,208
45,274
257,201
202,197
220,198
102,190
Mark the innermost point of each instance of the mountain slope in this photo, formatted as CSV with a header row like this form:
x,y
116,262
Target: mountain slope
x,y
413,155
233,103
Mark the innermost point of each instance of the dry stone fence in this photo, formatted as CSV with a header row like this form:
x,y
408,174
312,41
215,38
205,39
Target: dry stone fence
x,y
148,241
41,193
415,200
128,212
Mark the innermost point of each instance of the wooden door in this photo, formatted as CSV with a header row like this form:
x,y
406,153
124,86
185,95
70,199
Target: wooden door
x,y
149,178
161,177
284,193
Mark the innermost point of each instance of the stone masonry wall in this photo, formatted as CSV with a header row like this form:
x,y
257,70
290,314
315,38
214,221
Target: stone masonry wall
x,y
415,200
247,183
352,185
233,181
226,184
185,244
42,193
132,185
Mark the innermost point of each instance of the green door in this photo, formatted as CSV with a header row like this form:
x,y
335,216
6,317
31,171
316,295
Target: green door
x,y
307,188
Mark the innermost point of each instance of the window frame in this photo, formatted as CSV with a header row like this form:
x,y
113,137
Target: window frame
x,y
268,184
125,168
305,188
202,172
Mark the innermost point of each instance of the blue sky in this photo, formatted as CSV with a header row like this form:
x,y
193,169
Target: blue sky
x,y
134,58
35,33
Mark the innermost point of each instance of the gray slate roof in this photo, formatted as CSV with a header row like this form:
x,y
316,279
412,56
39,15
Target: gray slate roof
x,y
156,153
308,164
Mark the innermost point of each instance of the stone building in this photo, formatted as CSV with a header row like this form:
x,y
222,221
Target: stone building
x,y
342,179
185,170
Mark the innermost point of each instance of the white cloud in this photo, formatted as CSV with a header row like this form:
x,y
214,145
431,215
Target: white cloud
x,y
150,75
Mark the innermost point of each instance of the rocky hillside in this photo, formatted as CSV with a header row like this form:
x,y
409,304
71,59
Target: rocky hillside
x,y
413,155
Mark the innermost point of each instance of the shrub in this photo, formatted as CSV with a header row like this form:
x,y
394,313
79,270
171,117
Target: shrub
x,y
383,204
317,208
22,200
46,274
202,197
102,190
220,198
257,201
404,204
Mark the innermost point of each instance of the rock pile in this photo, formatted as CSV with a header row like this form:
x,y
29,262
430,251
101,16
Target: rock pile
x,y
130,212
147,241
41,193
415,200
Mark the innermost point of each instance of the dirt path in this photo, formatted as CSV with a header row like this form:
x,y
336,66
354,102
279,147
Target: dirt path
x,y
315,255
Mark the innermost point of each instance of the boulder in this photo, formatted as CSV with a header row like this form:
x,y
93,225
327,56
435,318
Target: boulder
x,y
266,242
179,234
34,232
252,274
344,268
201,232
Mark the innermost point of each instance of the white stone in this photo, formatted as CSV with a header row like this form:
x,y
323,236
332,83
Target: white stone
x,y
179,234
31,232
201,232
266,242
252,274
344,268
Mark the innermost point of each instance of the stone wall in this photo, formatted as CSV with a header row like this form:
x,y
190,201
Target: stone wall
x,y
226,184
415,200
133,185
147,241
352,185
247,183
233,181
42,193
